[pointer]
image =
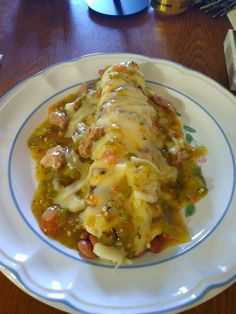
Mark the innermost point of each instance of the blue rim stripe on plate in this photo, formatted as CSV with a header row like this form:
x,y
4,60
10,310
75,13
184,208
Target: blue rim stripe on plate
x,y
49,242
136,55
70,305
226,93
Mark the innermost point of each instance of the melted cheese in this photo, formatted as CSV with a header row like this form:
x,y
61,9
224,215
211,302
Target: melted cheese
x,y
127,116
84,111
68,198
110,253
127,166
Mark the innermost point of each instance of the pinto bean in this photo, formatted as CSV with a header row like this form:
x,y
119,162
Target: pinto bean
x,y
155,245
85,247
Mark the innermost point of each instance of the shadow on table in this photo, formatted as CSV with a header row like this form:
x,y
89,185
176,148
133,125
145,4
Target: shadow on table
x,y
128,21
125,28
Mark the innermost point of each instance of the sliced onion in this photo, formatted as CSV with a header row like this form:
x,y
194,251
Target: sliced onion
x,y
70,109
145,161
56,185
150,198
110,253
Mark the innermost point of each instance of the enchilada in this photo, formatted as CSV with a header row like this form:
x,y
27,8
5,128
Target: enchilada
x,y
114,169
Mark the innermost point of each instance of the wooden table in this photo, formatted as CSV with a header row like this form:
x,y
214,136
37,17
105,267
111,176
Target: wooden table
x,y
35,34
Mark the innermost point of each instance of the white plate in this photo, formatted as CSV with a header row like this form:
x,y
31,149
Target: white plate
x,y
169,282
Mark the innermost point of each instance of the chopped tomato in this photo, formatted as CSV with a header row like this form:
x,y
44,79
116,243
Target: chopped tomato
x,y
101,72
178,134
194,198
50,220
93,200
109,158
52,108
120,68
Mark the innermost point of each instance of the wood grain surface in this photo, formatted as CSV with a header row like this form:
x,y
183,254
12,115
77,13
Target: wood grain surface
x,y
38,33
